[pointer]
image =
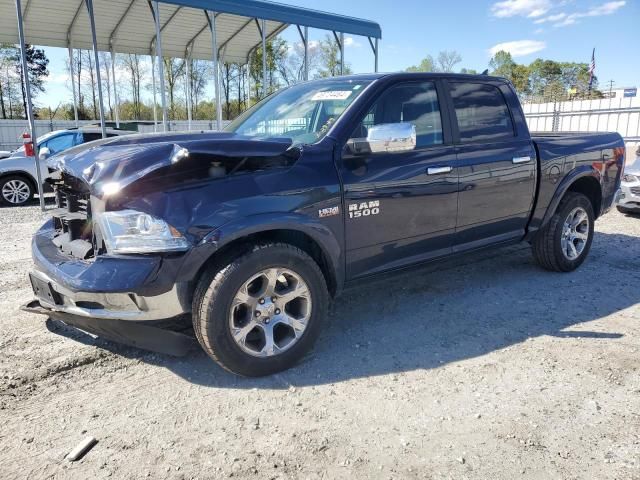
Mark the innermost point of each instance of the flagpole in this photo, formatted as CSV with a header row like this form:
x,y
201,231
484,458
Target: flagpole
x,y
592,68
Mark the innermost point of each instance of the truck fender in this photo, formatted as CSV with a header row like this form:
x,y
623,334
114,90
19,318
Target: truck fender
x,y
243,227
569,179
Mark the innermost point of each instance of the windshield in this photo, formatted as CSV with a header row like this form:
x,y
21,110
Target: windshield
x,y
304,112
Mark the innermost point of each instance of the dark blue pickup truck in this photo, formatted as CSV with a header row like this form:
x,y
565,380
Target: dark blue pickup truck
x,y
253,230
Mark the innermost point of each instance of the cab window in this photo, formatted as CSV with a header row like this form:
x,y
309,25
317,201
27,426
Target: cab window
x,y
413,102
481,111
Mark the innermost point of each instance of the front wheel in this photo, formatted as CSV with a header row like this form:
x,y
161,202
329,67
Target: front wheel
x,y
564,243
15,190
262,312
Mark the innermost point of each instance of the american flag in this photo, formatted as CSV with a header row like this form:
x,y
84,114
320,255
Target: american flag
x,y
592,68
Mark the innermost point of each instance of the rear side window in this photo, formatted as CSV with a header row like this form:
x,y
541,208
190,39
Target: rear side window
x,y
91,136
482,112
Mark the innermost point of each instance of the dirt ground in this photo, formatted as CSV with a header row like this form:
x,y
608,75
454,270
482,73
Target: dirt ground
x,y
481,367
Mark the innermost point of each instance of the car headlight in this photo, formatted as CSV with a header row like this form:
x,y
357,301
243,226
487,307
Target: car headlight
x,y
629,178
128,231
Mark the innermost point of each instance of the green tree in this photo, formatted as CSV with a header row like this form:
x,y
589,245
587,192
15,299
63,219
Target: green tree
x,y
503,65
275,51
426,65
330,59
447,60
37,63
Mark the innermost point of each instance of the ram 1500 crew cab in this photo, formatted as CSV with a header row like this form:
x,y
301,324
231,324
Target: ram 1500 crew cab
x,y
253,230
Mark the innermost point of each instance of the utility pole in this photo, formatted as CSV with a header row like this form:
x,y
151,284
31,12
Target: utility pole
x,y
611,82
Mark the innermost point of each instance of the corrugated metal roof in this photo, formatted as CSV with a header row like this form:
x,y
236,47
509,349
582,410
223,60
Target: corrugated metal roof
x,y
127,25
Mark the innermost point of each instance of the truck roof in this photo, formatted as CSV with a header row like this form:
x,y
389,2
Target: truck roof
x,y
405,75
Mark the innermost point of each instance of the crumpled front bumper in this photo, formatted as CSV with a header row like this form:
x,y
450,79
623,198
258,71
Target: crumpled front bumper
x,y
128,287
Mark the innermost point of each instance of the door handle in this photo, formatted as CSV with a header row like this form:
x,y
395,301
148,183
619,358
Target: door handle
x,y
521,159
438,170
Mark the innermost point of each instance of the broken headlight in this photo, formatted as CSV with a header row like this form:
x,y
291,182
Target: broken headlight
x,y
128,231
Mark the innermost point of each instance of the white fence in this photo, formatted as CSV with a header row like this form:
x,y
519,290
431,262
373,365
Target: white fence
x,y
620,115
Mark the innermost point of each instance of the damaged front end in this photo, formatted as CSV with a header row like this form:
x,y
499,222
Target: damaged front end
x,y
88,182
106,254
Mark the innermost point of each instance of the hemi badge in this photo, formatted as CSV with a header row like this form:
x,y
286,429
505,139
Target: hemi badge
x,y
328,212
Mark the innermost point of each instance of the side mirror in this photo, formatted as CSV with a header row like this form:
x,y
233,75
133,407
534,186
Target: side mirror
x,y
386,137
44,153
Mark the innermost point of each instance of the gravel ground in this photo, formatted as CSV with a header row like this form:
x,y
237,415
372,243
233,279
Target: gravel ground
x,y
480,367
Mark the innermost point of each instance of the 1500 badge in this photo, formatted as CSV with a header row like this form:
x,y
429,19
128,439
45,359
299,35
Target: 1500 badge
x,y
364,209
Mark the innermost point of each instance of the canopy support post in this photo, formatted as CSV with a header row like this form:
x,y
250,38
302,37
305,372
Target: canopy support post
x,y
163,96
96,60
263,30
187,72
249,58
376,57
341,53
27,94
73,84
306,53
116,109
154,88
374,47
211,18
340,42
305,43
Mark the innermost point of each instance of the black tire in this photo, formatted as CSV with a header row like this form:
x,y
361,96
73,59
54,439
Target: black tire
x,y
214,296
547,244
4,181
628,211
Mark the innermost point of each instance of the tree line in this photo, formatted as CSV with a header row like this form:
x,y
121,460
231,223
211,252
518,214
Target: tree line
x,y
544,79
187,81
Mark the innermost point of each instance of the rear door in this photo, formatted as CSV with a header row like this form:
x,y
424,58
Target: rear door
x,y
496,165
400,207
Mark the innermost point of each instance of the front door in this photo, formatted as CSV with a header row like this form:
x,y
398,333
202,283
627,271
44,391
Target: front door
x,y
400,207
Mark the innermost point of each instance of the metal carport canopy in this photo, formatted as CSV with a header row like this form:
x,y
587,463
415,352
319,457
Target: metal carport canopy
x,y
126,26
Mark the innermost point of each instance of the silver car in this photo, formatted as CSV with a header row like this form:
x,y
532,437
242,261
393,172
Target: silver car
x,y
629,197
18,173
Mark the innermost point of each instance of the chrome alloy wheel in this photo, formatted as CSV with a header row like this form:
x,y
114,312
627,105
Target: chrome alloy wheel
x,y
575,233
16,191
270,312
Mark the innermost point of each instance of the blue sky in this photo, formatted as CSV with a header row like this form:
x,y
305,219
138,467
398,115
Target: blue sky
x,y
563,30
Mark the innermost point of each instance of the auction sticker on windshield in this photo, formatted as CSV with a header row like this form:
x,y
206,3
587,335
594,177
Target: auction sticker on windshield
x,y
332,95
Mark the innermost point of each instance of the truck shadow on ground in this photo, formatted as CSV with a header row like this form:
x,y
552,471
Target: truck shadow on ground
x,y
442,313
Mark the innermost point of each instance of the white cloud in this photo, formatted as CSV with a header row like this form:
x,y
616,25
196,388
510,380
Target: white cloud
x,y
551,18
58,78
604,9
522,8
541,11
518,48
350,42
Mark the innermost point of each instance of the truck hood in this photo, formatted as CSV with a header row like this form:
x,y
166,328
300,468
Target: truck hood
x,y
111,165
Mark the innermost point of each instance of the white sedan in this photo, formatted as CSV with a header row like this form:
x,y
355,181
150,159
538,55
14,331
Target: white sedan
x,y
18,174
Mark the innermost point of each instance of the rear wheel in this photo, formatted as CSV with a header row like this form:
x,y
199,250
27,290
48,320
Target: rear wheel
x,y
263,311
15,190
564,243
